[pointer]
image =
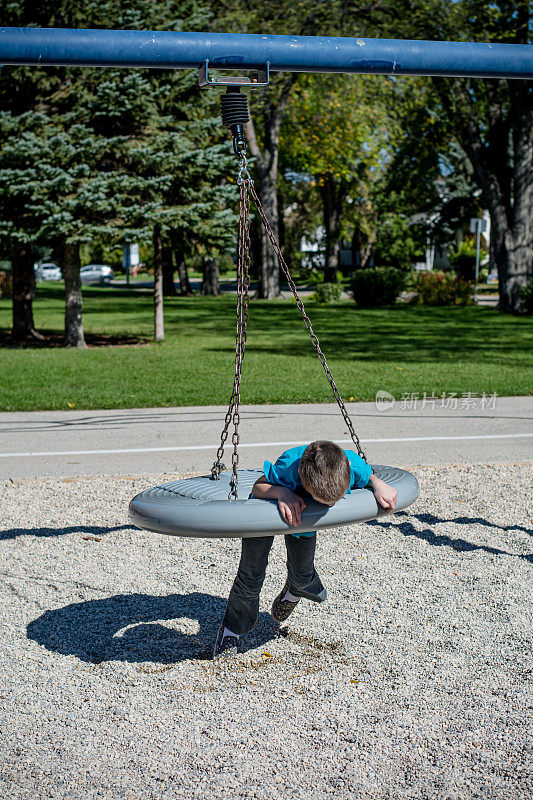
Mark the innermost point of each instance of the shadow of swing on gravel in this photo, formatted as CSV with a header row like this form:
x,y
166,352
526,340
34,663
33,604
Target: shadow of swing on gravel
x,y
431,519
442,540
91,531
130,628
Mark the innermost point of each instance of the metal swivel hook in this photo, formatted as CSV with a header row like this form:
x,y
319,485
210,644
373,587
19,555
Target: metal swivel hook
x,y
243,176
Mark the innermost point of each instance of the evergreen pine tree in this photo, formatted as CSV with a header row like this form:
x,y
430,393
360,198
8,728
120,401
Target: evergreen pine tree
x,y
111,155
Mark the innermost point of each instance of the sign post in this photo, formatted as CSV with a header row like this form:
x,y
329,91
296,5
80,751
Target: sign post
x,y
477,226
130,260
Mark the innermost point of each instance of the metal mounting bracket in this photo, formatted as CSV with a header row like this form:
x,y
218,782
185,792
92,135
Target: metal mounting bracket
x,y
205,79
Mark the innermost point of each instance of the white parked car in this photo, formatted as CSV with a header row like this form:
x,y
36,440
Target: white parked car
x,y
48,272
96,273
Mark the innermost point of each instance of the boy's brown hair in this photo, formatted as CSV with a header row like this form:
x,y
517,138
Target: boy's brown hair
x,y
325,471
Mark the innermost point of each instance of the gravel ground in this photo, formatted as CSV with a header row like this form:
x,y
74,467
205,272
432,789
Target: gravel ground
x,y
412,681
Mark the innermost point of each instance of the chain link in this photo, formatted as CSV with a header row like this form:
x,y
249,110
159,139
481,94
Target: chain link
x,y
243,298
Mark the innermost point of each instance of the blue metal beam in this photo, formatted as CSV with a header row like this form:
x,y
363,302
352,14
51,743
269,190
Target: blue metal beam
x,y
169,49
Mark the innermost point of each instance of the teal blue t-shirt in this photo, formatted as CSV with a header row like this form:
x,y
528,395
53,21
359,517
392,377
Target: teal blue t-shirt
x,y
284,472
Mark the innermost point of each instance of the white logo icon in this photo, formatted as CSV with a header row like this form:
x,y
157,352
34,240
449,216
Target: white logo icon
x,y
384,400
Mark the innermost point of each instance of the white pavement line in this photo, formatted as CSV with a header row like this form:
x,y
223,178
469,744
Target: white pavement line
x,y
36,453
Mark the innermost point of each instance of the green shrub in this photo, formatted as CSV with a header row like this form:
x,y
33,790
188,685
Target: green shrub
x,y
442,289
377,286
313,277
327,293
526,296
463,260
464,292
225,263
6,284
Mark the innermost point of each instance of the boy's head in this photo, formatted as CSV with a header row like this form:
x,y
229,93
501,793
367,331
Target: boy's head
x,y
325,472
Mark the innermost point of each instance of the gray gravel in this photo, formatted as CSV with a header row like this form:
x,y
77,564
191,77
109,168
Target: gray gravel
x,y
413,681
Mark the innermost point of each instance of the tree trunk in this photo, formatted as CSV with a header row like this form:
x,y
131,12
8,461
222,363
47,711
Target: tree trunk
x,y
513,254
266,165
332,200
515,258
512,216
511,227
168,272
269,267
185,284
73,297
366,250
500,149
210,282
159,323
356,248
23,293
255,247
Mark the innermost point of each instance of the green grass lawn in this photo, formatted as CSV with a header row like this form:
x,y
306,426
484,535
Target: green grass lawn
x,y
400,349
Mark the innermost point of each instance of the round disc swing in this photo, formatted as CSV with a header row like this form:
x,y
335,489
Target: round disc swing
x,y
220,505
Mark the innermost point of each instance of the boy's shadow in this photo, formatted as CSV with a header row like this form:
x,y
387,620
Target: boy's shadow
x,y
128,627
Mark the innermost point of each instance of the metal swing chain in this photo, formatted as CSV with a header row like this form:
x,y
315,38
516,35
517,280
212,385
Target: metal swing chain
x,y
243,298
307,321
243,284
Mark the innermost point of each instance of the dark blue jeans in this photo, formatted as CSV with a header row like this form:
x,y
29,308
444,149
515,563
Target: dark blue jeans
x,y
242,611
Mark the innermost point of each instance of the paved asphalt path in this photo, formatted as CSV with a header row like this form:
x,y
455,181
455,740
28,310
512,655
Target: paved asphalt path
x,y
184,440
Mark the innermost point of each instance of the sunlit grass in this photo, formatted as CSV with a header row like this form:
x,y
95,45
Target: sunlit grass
x,y
401,349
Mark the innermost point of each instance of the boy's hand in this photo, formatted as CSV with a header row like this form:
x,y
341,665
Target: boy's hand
x,y
384,494
291,506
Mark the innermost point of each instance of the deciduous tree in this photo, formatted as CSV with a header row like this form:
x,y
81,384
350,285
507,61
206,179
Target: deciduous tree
x,y
339,133
492,121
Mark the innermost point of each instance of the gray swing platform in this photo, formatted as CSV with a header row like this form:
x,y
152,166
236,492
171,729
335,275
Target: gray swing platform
x,y
200,507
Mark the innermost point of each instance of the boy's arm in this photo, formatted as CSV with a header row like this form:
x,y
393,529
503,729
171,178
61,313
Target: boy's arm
x,y
290,504
384,494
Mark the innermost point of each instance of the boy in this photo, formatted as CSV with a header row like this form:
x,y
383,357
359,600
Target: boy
x,y
324,472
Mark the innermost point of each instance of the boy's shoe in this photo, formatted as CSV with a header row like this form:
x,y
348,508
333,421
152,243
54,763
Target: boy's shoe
x,y
225,646
281,609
